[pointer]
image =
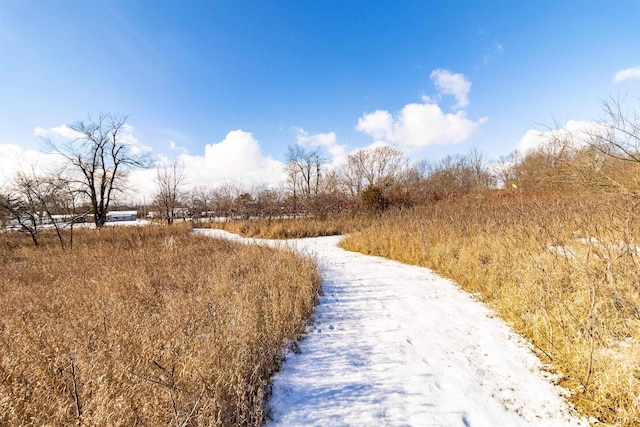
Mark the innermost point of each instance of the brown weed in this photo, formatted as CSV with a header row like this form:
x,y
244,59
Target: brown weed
x,y
145,326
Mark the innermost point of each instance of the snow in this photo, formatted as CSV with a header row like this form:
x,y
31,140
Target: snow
x,y
397,345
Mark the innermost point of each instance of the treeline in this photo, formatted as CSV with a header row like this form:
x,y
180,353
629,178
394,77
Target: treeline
x,y
371,180
604,156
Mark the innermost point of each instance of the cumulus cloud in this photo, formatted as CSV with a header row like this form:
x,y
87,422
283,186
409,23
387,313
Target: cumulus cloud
x,y
627,74
455,84
237,157
327,141
418,126
575,132
532,140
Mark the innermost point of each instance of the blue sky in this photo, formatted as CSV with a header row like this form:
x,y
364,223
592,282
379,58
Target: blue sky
x,y
243,80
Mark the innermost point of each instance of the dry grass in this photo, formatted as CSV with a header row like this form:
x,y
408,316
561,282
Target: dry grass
x,y
294,228
145,326
564,271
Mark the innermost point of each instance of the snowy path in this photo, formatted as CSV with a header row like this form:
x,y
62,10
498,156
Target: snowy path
x,y
397,345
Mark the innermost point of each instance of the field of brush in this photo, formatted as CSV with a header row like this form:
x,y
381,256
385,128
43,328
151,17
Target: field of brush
x,y
145,326
159,326
562,270
293,228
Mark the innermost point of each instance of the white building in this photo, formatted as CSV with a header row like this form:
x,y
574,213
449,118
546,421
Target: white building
x,y
115,216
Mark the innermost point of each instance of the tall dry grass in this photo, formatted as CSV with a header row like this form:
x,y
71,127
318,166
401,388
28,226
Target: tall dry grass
x,y
145,326
564,271
293,228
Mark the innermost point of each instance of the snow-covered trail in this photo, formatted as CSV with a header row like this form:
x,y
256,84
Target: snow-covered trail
x,y
397,345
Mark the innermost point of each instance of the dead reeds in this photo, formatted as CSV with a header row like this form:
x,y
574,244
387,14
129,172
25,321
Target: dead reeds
x,y
563,270
145,326
292,228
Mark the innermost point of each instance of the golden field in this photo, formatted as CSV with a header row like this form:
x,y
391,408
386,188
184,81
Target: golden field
x,y
158,326
145,326
291,228
564,271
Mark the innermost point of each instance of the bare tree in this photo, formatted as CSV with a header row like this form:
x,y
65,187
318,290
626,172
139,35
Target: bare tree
x,y
304,174
171,179
5,217
31,202
68,203
244,205
460,174
618,137
351,175
505,170
201,202
100,159
304,169
22,213
480,177
600,157
268,202
224,196
383,165
372,167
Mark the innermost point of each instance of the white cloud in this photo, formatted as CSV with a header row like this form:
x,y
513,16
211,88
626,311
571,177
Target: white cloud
x,y
14,158
418,126
127,137
454,84
237,158
378,124
40,132
173,146
239,152
575,132
627,74
64,132
532,140
142,186
328,141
